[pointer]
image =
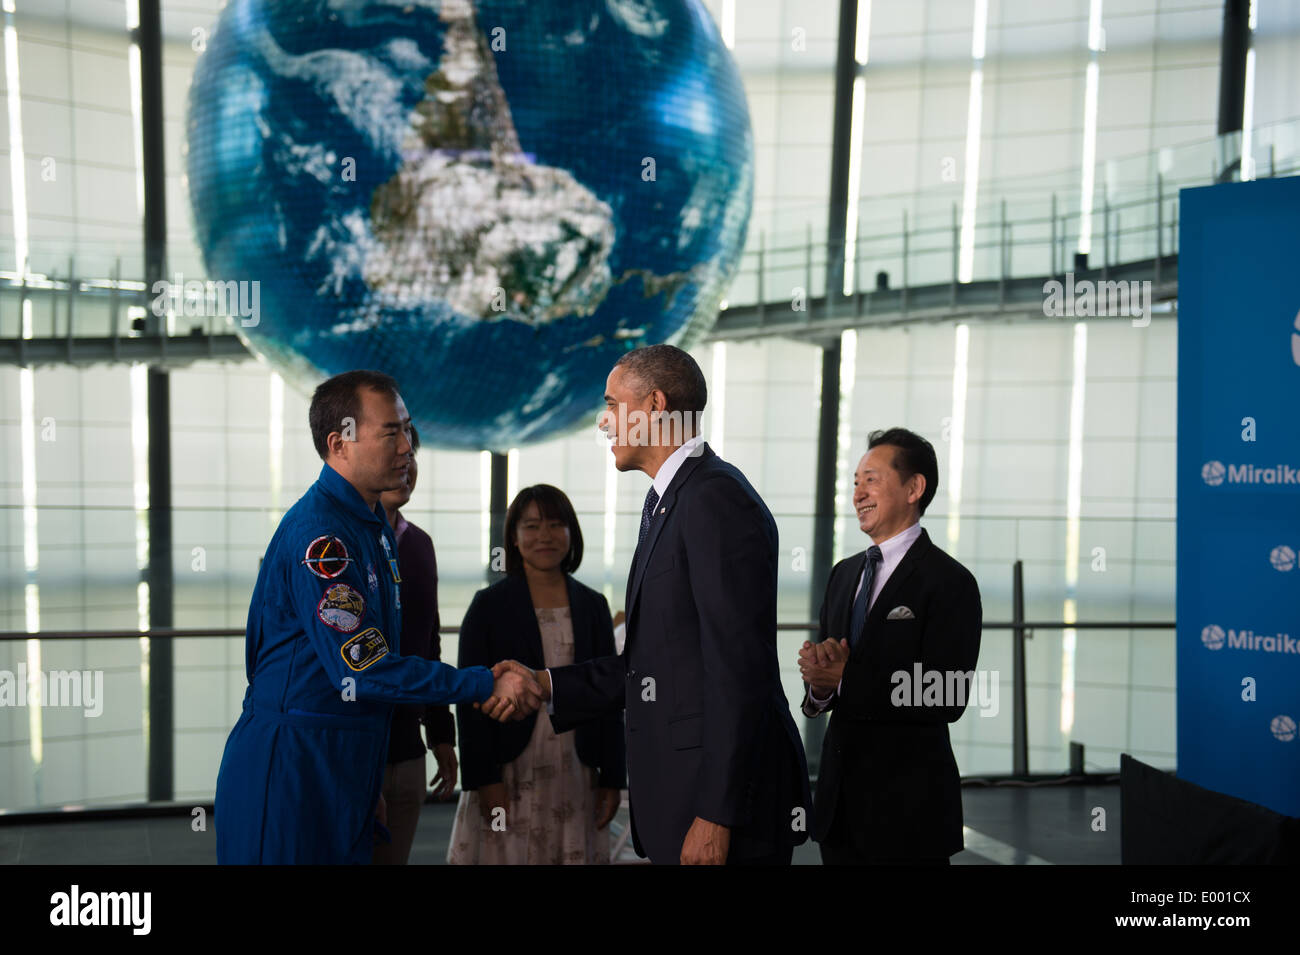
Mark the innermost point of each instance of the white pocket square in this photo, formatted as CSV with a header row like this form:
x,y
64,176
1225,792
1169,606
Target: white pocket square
x,y
901,613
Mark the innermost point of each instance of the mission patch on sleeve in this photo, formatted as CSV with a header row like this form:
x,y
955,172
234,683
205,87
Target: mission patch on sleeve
x,y
341,608
367,647
327,557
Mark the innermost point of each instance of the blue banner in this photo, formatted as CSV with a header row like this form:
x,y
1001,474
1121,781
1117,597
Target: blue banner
x,y
1238,597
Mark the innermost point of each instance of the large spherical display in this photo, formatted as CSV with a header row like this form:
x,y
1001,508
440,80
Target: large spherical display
x,y
489,201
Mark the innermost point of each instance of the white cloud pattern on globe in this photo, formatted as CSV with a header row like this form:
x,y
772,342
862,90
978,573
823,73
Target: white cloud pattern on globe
x,y
490,201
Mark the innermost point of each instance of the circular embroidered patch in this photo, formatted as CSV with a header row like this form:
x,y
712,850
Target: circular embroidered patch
x,y
341,608
327,557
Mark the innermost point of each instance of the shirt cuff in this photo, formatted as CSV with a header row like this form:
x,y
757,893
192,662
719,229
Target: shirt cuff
x,y
550,704
817,701
822,704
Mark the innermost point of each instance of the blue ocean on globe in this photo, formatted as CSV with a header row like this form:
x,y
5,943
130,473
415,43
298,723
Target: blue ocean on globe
x,y
490,201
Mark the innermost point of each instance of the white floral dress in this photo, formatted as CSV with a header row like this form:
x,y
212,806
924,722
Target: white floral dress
x,y
550,794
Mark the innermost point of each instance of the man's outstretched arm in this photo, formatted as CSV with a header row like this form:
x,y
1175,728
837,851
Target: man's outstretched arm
x,y
575,693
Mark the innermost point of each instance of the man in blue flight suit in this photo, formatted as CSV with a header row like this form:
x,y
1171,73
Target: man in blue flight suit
x,y
302,773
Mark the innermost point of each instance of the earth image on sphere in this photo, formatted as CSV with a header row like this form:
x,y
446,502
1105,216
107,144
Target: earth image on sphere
x,y
490,201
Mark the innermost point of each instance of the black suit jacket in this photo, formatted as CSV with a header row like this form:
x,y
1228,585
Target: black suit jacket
x,y
888,770
501,624
709,731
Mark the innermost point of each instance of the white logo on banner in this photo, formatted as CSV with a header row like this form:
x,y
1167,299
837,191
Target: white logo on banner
x,y
1215,473
1216,638
1283,728
1295,340
1282,558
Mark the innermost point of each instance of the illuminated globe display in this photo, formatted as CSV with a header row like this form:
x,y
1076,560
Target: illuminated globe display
x,y
489,201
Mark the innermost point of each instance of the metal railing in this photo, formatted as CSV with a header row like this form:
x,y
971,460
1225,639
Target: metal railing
x,y
1021,235
1021,630
1131,234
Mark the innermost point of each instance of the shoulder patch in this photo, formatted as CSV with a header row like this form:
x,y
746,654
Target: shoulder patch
x,y
341,608
327,557
367,647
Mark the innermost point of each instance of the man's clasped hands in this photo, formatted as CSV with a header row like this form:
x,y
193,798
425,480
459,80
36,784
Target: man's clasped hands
x,y
822,665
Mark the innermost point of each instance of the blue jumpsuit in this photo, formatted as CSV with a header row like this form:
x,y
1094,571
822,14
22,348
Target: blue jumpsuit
x,y
304,765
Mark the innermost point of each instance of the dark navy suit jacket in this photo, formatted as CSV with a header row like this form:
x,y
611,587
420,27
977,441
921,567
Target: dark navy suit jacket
x,y
709,731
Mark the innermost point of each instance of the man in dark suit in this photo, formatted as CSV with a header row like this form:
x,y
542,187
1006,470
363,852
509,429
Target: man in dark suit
x,y
716,769
888,790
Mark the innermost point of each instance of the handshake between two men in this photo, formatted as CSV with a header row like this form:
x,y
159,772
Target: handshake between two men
x,y
517,692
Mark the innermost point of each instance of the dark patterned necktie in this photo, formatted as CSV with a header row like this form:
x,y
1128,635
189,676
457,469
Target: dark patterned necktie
x,y
647,512
859,620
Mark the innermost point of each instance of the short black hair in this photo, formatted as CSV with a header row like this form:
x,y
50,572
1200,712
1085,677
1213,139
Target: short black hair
x,y
415,439
552,504
671,370
913,455
339,398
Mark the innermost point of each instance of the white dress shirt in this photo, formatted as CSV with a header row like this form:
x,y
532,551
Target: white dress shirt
x,y
891,555
668,470
664,477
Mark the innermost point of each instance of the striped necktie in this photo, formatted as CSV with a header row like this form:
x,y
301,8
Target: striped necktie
x,y
859,619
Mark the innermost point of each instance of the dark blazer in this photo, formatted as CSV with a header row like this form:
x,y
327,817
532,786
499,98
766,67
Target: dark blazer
x,y
709,731
887,770
501,624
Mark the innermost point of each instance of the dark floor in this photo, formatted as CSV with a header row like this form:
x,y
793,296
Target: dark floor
x,y
1005,825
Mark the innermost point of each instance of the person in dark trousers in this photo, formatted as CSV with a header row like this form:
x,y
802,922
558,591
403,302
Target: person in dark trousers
x,y
889,791
404,788
716,768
